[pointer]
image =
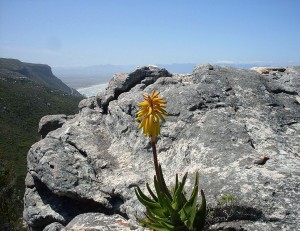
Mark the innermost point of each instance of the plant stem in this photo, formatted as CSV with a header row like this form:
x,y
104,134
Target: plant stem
x,y
158,176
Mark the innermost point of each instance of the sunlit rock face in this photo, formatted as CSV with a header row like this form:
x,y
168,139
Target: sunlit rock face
x,y
240,129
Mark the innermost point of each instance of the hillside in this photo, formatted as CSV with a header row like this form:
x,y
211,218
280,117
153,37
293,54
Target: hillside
x,y
40,73
23,101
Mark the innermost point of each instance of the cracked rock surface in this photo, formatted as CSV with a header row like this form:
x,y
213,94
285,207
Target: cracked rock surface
x,y
221,121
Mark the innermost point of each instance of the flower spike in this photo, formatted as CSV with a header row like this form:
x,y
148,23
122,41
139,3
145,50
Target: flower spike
x,y
151,111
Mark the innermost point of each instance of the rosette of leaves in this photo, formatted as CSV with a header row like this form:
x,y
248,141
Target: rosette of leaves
x,y
170,209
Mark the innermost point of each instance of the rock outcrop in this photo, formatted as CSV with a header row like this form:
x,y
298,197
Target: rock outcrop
x,y
50,123
221,121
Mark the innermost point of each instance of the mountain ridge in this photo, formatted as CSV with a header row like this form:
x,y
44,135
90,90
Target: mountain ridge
x,y
40,73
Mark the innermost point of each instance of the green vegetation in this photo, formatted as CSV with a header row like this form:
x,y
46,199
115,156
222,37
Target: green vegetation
x,y
171,210
226,200
10,200
227,209
22,104
39,73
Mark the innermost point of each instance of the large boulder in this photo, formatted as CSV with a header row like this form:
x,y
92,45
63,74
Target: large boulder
x,y
239,128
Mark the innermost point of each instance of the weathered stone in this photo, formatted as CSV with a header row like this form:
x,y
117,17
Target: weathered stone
x,y
123,82
41,209
98,221
89,103
29,181
221,121
203,67
267,70
54,227
50,123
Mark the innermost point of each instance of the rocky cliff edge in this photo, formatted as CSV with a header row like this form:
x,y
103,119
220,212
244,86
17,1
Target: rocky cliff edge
x,y
240,129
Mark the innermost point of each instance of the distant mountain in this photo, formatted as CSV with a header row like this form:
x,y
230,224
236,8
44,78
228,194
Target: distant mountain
x,y
40,73
78,77
86,76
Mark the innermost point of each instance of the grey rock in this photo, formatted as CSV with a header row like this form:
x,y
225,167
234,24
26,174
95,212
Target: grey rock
x,y
268,70
98,222
221,121
54,227
203,67
29,181
40,209
103,98
50,123
123,82
89,103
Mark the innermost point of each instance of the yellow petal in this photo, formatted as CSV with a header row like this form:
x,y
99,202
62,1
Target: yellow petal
x,y
157,99
150,124
142,123
144,103
163,111
146,126
160,105
146,96
158,128
142,112
160,116
150,110
150,114
155,94
152,94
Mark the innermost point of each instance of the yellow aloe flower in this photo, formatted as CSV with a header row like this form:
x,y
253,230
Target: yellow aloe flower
x,y
151,111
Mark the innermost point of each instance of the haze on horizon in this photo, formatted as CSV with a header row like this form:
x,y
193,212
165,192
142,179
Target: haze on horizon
x,y
85,33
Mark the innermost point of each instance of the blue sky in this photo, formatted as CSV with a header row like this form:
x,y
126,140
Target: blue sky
x,y
91,32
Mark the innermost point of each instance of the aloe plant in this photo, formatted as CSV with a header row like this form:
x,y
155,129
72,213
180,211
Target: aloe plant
x,y
170,210
166,210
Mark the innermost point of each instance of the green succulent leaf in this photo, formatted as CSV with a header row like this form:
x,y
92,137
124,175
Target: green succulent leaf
x,y
153,217
143,196
179,199
174,215
153,206
176,184
199,221
196,179
188,212
164,186
181,185
161,200
168,211
151,193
